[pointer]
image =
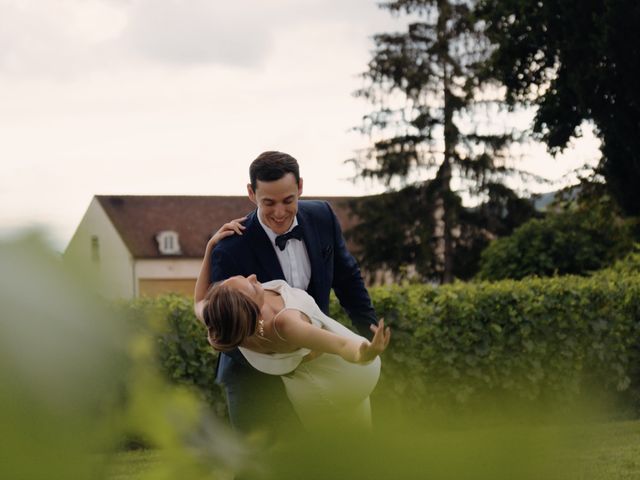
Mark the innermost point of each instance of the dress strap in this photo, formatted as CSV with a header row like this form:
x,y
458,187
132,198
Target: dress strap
x,y
275,328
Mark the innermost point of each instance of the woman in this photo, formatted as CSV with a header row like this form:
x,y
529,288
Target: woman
x,y
328,371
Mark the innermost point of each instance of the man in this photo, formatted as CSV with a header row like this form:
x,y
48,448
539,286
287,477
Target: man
x,y
297,241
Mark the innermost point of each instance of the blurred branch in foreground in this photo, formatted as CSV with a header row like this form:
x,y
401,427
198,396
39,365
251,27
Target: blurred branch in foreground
x,y
74,380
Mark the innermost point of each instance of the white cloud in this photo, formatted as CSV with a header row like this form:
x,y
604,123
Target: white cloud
x,y
66,38
55,38
237,33
199,31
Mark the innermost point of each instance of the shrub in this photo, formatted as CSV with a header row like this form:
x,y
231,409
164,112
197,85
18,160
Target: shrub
x,y
570,242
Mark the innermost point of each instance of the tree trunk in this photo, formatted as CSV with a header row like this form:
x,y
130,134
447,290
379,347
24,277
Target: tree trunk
x,y
444,173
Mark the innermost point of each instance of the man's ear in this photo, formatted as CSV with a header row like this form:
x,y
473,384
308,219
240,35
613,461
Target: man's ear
x,y
251,193
300,187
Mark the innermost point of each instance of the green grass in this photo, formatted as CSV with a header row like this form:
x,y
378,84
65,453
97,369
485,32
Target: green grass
x,y
607,451
611,451
133,464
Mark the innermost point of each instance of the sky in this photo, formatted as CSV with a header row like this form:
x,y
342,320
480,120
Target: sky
x,y
177,97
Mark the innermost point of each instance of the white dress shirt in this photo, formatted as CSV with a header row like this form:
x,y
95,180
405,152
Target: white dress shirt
x,y
294,259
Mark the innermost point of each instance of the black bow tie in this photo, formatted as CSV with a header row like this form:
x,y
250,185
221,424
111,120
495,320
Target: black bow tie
x,y
281,240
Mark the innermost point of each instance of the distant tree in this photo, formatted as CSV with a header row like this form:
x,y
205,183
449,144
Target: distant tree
x,y
424,87
498,216
575,60
393,234
578,239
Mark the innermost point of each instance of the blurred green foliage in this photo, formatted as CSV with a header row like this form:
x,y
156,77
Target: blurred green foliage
x,y
594,451
76,378
59,360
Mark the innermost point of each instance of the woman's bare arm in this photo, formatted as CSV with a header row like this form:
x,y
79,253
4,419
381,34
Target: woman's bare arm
x,y
304,335
202,283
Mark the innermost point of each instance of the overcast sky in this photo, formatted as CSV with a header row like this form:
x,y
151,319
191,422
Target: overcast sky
x,y
177,97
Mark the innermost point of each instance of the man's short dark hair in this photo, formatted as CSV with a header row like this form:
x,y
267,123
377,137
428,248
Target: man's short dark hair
x,y
272,166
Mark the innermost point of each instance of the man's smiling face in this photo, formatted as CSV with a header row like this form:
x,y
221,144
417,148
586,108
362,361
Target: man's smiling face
x,y
277,201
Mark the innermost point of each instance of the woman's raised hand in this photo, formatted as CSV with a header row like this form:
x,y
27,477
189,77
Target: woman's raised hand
x,y
230,228
370,350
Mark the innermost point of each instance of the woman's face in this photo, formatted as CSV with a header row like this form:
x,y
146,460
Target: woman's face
x,y
250,286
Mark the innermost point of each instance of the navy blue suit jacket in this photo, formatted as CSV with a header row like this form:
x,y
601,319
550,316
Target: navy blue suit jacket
x,y
332,266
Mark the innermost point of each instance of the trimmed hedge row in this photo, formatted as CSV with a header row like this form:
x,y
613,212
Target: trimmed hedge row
x,y
549,340
534,340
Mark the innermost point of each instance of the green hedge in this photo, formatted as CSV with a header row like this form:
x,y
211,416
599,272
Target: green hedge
x,y
628,265
535,340
542,340
182,350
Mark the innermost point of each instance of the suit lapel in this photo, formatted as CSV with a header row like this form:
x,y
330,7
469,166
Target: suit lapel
x,y
312,242
262,250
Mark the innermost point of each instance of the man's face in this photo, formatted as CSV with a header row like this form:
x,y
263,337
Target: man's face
x,y
277,201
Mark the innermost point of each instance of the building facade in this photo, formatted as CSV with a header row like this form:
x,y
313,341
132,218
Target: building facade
x,y
146,245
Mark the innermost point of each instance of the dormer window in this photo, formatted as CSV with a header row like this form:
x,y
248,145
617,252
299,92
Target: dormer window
x,y
168,243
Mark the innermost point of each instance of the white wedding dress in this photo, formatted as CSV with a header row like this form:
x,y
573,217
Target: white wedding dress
x,y
326,389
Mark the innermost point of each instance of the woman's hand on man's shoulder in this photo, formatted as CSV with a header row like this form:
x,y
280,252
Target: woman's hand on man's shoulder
x,y
234,227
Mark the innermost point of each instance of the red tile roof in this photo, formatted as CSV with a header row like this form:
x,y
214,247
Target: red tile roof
x,y
139,218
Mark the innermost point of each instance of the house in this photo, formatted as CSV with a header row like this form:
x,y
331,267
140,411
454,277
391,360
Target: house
x,y
136,245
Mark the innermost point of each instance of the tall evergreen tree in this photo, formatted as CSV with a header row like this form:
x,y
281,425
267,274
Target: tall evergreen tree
x,y
426,133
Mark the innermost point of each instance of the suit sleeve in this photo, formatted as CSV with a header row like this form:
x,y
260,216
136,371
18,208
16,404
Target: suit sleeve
x,y
222,265
349,285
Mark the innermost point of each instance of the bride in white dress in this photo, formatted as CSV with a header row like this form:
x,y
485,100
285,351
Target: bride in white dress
x,y
328,371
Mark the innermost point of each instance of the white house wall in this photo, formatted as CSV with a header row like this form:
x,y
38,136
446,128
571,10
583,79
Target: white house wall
x,y
113,270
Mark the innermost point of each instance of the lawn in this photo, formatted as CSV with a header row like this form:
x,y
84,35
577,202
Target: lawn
x,y
607,451
613,452
131,465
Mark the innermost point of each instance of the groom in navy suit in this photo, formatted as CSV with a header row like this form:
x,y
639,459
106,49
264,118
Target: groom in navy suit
x,y
294,240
